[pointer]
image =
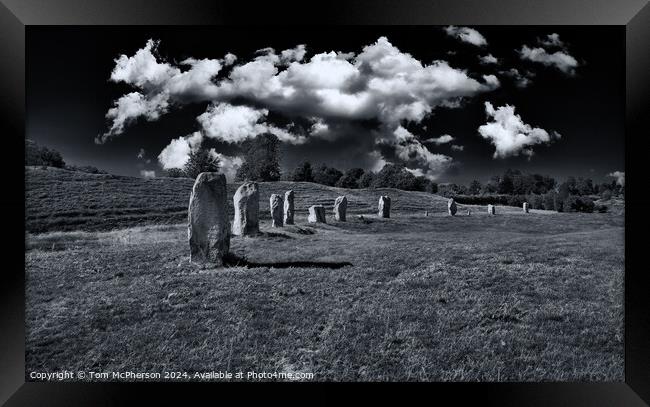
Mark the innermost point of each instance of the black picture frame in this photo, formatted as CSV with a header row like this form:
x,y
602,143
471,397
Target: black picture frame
x,y
17,15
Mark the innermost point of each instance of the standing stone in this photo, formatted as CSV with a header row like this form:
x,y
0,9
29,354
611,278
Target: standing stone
x,y
288,208
340,207
247,209
426,213
451,207
276,210
491,210
208,229
384,206
469,212
316,214
526,207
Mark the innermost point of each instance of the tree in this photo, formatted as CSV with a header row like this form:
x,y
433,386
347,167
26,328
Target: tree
x,y
41,155
261,159
474,188
201,160
396,176
302,173
584,186
351,178
432,188
327,175
367,180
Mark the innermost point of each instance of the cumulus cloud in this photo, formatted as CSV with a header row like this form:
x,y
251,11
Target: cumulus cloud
x,y
552,40
414,154
147,174
509,134
521,80
177,152
466,34
488,59
141,153
620,177
227,165
381,84
560,60
445,138
457,147
234,124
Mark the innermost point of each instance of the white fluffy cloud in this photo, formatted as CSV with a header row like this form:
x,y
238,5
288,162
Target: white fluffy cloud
x,y
620,177
560,60
466,34
141,153
177,152
445,138
234,124
488,59
457,147
509,134
413,153
522,80
381,83
552,40
227,165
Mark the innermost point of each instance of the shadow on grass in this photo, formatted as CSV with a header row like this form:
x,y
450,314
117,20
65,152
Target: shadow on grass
x,y
233,260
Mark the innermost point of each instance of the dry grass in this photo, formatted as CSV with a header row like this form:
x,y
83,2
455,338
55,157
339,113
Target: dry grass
x,y
513,297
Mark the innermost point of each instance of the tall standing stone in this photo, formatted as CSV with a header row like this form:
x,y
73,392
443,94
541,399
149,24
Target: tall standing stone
x,y
208,229
288,208
276,210
491,210
526,207
316,214
451,207
469,212
247,209
384,206
340,207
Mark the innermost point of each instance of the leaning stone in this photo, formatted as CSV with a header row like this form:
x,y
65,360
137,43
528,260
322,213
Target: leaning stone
x,y
491,210
340,207
208,229
288,208
276,211
384,207
451,207
316,214
247,209
526,207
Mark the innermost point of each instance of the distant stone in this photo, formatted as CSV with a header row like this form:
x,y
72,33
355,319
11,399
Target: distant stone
x,y
451,207
276,210
491,210
316,214
469,212
208,229
384,207
340,207
247,209
288,208
526,207
426,213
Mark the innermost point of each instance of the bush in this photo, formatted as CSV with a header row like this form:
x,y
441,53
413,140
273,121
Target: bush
x,y
575,203
536,201
606,195
261,159
86,168
176,173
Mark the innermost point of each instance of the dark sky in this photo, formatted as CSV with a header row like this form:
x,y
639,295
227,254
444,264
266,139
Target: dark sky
x,y
69,93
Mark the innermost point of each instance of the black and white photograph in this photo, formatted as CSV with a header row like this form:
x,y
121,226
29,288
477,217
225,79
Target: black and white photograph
x,y
441,203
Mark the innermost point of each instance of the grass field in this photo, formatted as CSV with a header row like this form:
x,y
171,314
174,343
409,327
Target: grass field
x,y
512,297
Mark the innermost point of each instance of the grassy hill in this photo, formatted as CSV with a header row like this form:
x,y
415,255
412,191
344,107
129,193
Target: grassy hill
x,y
512,297
61,200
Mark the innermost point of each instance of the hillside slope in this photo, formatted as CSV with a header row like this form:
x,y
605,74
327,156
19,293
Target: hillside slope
x,y
58,200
